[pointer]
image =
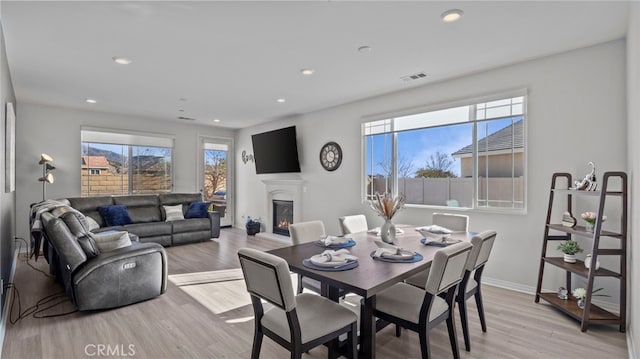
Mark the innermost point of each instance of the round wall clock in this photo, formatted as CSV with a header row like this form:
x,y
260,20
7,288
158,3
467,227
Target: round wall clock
x,y
331,156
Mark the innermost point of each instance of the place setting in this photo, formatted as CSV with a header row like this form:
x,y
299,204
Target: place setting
x,y
435,235
332,260
393,254
335,242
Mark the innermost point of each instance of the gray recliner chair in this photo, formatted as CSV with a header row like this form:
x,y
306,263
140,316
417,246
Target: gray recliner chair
x,y
101,280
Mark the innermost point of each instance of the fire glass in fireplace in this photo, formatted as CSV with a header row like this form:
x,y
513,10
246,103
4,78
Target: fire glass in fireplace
x,y
282,216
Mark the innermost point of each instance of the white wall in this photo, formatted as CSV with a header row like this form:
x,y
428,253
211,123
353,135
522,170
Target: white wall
x,y
576,114
56,131
633,149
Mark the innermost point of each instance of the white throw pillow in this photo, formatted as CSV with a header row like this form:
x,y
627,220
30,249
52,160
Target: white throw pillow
x,y
173,213
92,223
110,240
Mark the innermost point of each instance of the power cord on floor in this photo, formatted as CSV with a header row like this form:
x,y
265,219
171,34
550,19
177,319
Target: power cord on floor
x,y
42,305
27,256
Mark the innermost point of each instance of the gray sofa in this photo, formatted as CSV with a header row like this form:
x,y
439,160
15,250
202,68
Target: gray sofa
x,y
147,214
98,278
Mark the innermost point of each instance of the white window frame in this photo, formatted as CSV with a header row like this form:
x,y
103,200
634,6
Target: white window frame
x,y
444,106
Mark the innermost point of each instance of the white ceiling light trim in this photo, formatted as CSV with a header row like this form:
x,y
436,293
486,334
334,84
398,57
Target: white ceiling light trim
x,y
121,60
90,100
451,15
307,72
281,100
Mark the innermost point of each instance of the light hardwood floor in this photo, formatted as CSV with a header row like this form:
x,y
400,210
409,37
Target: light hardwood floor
x,y
174,325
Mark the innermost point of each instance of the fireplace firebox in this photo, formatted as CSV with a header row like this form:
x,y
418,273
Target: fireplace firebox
x,y
282,216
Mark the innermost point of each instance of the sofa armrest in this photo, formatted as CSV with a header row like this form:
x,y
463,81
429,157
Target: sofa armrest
x,y
120,277
215,224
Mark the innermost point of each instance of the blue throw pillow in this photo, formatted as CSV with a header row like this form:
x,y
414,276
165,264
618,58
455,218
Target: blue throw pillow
x,y
116,215
198,210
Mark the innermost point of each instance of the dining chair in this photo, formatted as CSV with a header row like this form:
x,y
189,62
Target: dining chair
x,y
454,222
296,322
353,224
303,232
421,310
470,287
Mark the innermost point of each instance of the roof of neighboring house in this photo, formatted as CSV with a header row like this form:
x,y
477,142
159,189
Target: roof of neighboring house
x,y
95,162
511,136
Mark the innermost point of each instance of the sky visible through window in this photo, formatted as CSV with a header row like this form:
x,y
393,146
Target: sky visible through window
x,y
415,147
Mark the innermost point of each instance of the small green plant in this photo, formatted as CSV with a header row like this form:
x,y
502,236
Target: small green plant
x,y
569,247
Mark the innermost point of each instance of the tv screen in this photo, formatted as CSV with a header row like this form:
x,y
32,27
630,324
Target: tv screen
x,y
276,151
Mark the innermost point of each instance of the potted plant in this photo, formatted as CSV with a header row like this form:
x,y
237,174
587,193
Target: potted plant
x,y
569,248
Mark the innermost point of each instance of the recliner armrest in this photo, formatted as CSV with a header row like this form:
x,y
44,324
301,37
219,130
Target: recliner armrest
x,y
135,250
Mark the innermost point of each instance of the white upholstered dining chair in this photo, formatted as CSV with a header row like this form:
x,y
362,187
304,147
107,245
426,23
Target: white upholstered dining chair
x,y
297,322
304,232
420,310
353,224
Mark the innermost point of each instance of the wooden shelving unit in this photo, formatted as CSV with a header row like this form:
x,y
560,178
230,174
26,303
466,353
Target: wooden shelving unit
x,y
591,314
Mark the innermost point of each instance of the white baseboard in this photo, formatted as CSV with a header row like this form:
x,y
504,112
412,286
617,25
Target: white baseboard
x,y
7,302
631,344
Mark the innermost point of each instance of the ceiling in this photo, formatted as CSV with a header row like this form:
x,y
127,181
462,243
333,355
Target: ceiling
x,y
231,60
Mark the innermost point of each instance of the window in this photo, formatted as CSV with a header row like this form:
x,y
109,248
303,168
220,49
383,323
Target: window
x,y
470,156
123,163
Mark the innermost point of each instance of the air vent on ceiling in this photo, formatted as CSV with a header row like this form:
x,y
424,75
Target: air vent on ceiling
x,y
416,76
186,118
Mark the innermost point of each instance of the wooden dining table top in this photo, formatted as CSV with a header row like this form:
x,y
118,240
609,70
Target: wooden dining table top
x,y
371,275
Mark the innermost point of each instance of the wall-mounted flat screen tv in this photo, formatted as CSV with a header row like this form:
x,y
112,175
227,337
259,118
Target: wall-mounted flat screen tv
x,y
276,151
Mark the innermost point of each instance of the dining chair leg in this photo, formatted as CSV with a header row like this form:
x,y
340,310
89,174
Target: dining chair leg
x,y
462,306
452,335
296,352
478,298
257,344
398,330
299,284
352,338
424,343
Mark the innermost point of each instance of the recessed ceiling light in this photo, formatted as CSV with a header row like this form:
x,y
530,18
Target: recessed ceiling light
x,y
181,110
451,15
90,100
121,60
307,72
365,49
216,120
183,99
281,100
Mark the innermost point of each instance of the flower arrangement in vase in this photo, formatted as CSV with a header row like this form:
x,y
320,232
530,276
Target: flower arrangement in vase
x,y
590,218
580,294
387,206
569,248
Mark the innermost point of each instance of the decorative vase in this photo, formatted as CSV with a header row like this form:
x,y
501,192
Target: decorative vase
x,y
580,303
570,258
587,262
589,226
388,232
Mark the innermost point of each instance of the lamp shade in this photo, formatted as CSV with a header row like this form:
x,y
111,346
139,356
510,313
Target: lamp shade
x,y
44,158
47,178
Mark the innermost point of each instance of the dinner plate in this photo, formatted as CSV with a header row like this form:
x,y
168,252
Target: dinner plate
x,y
417,257
338,267
347,244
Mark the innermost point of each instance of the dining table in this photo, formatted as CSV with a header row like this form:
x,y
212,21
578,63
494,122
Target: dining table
x,y
370,277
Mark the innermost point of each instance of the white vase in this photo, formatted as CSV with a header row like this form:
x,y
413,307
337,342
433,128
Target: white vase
x,y
570,258
388,232
589,226
587,262
580,303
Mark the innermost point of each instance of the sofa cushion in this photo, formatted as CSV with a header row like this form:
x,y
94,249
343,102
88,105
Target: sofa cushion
x,y
142,208
91,223
111,240
192,225
76,222
149,229
89,206
115,215
198,210
89,246
173,213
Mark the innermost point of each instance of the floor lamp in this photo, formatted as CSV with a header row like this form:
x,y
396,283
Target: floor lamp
x,y
47,176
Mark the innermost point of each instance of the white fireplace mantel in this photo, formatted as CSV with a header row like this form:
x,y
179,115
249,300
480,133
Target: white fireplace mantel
x,y
285,190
